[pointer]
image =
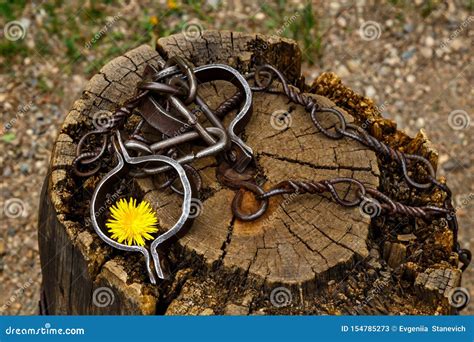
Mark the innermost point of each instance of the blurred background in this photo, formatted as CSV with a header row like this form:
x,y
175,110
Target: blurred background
x,y
414,58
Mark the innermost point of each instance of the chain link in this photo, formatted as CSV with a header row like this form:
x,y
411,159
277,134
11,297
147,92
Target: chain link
x,y
164,101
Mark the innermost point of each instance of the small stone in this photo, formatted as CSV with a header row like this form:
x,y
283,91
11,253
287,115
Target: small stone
x,y
260,312
426,52
334,5
341,296
7,171
374,253
2,247
30,254
429,41
420,122
384,71
408,54
342,71
408,27
392,61
24,168
353,65
370,91
411,78
374,264
260,16
341,21
457,44
213,3
406,237
453,164
443,158
207,312
236,310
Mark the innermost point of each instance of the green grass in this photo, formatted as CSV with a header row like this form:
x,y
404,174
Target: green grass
x,y
428,7
67,27
8,137
300,25
11,49
42,85
425,9
11,10
470,5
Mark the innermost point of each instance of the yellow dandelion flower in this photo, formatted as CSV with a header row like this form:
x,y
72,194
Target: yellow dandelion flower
x,y
154,20
172,4
131,223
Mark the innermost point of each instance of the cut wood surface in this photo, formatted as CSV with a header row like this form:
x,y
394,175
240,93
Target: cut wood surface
x,y
302,239
305,244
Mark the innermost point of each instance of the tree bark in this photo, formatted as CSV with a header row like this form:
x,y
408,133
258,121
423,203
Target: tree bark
x,y
305,255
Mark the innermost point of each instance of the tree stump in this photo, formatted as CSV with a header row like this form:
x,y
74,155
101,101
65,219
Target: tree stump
x,y
305,255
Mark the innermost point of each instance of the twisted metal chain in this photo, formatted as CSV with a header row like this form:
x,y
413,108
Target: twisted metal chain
x,y
345,129
175,88
117,120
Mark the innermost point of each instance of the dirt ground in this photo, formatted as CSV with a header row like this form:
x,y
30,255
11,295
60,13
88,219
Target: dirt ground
x,y
414,58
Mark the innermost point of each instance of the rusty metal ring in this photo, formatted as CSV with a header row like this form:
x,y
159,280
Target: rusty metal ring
x,y
361,191
78,159
187,69
256,76
82,141
95,155
432,172
161,88
325,131
237,202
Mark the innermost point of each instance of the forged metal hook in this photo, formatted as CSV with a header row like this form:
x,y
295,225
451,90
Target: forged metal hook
x,y
125,162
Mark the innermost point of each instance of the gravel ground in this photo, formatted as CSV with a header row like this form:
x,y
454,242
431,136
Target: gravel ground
x,y
414,59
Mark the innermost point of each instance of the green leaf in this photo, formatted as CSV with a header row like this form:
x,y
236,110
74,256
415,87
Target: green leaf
x,y
8,137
